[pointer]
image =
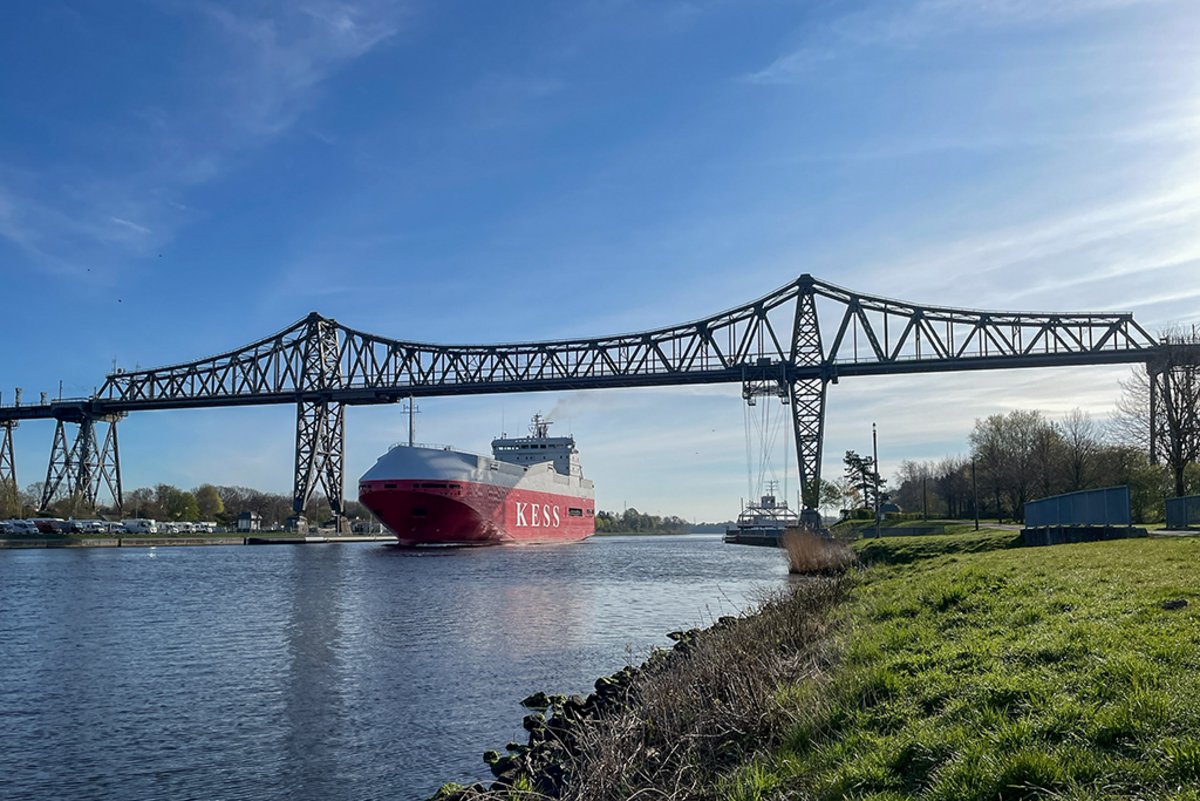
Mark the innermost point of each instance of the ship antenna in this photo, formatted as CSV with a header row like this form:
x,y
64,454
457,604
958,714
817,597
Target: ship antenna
x,y
411,425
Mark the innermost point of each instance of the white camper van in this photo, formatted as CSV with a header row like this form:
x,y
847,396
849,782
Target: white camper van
x,y
141,525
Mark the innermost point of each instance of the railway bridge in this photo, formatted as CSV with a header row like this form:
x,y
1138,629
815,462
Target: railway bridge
x,y
792,343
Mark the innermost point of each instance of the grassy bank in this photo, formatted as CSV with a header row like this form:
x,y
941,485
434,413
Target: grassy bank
x,y
904,550
997,673
958,667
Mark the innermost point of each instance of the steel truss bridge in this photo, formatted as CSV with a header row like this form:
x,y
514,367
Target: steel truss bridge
x,y
778,345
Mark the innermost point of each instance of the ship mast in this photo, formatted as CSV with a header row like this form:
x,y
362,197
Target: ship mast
x,y
539,428
411,424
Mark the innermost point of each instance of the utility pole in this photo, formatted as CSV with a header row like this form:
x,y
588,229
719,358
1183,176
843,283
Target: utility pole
x,y
975,491
875,460
924,497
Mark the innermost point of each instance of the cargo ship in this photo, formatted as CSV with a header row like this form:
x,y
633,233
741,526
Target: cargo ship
x,y
531,490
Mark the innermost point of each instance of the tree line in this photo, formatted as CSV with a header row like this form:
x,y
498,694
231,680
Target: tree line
x,y
166,502
1021,456
634,522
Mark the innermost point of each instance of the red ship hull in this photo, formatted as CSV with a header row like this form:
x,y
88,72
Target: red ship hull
x,y
468,513
532,491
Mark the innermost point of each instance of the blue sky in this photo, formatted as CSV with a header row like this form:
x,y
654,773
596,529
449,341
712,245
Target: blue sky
x,y
178,178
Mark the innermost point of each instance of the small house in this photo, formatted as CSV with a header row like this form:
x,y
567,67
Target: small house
x,y
249,521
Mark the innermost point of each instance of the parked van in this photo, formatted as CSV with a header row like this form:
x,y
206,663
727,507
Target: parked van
x,y
141,525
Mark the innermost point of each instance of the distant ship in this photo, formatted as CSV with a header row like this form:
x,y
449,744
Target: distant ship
x,y
764,522
531,490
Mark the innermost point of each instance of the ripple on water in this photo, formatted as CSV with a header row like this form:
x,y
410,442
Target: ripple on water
x,y
321,672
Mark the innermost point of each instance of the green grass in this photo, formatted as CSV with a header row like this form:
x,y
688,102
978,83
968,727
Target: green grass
x,y
904,550
971,671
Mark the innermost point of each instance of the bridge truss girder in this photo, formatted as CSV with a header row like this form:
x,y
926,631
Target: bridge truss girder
x,y
779,344
867,336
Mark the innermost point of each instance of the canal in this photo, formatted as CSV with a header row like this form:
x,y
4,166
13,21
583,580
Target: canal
x,y
348,671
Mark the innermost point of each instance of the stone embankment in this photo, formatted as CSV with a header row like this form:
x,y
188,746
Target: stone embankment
x,y
676,720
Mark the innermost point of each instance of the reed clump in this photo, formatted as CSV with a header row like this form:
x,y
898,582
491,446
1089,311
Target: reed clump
x,y
809,553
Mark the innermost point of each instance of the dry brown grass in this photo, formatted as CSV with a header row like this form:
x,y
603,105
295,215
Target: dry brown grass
x,y
809,553
667,730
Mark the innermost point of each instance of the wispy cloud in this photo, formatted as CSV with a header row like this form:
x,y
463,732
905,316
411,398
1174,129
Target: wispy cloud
x,y
906,25
273,62
1082,255
919,21
249,78
792,67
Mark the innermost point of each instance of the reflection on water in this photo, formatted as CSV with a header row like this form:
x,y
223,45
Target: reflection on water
x,y
321,671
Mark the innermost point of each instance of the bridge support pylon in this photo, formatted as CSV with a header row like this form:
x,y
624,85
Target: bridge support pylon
x,y
808,418
10,493
320,420
79,466
807,396
320,455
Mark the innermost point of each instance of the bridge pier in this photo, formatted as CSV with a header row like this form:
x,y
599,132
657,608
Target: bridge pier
x,y
78,467
320,420
320,455
807,397
10,493
808,418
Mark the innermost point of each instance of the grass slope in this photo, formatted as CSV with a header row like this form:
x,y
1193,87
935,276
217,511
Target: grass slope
x,y
903,550
1003,674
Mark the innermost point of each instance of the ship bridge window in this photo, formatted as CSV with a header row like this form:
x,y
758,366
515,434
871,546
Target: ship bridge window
x,y
389,486
590,513
573,512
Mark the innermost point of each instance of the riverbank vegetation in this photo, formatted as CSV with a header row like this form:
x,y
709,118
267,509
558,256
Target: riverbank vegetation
x,y
959,667
1063,672
672,727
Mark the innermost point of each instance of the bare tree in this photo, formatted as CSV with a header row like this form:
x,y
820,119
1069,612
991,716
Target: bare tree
x,y
10,499
1015,453
1167,389
954,483
1081,441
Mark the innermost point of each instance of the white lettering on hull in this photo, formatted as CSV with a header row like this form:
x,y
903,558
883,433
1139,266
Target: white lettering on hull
x,y
540,516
